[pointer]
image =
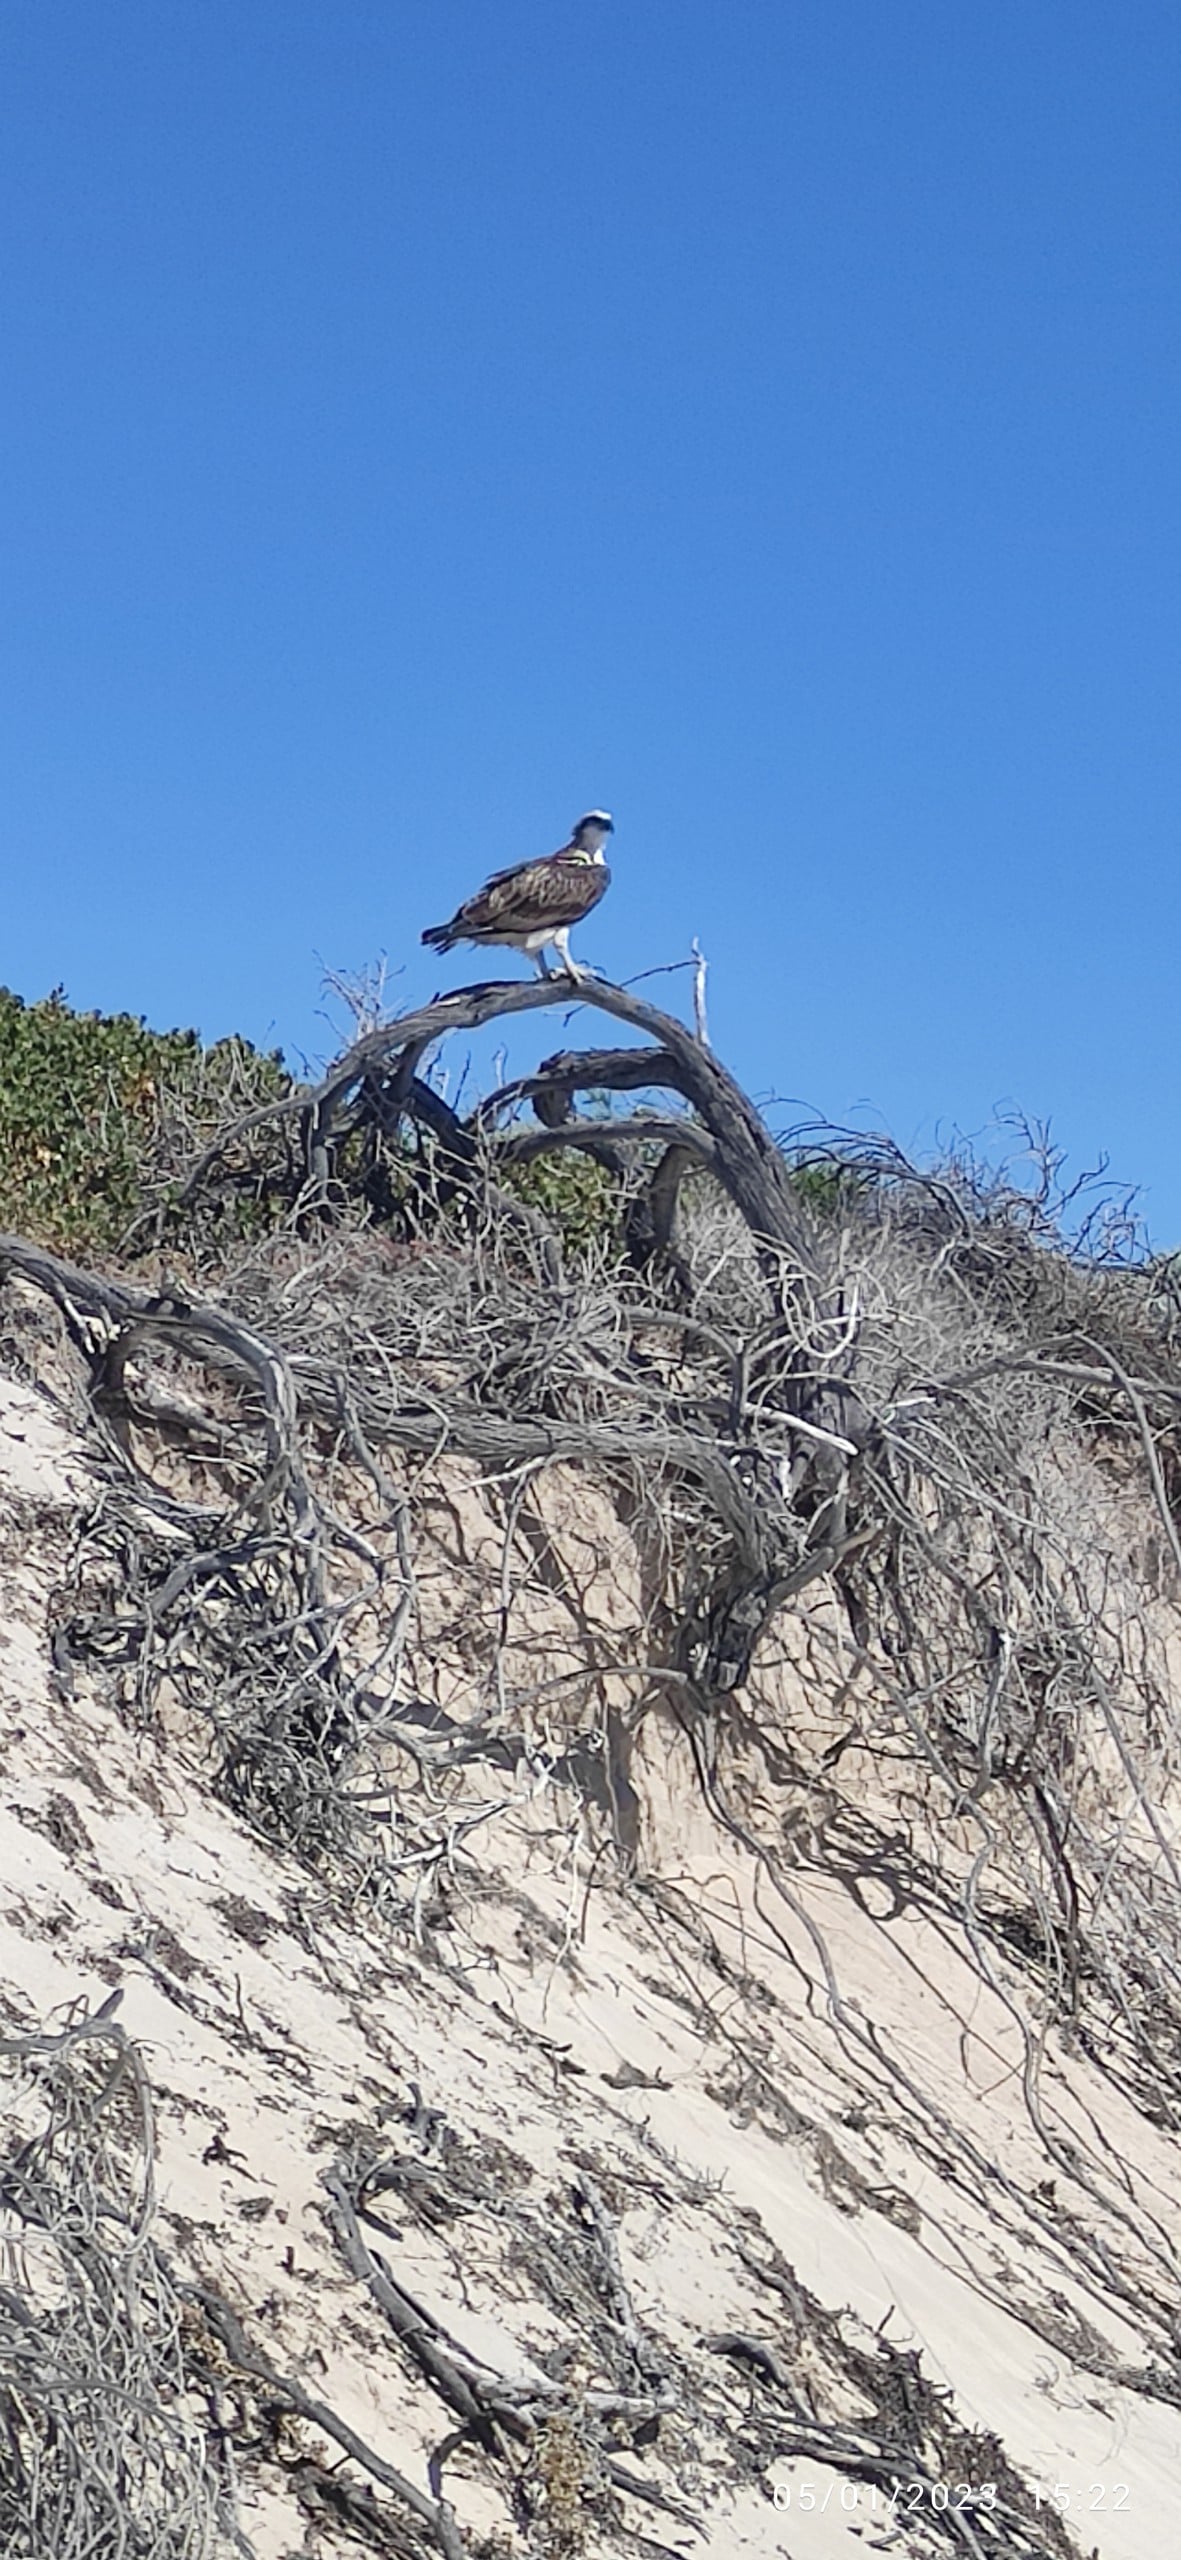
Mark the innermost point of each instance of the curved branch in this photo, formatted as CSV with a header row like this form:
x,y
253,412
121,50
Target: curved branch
x,y
289,1385
204,1332
591,1135
572,1071
749,1162
511,1440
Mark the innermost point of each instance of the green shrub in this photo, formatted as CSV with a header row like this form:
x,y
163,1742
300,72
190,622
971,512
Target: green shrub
x,y
97,1111
828,1184
578,1195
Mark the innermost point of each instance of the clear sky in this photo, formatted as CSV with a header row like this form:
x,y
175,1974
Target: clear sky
x,y
423,419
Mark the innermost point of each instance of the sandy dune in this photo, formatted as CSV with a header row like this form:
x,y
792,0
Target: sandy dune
x,y
840,2167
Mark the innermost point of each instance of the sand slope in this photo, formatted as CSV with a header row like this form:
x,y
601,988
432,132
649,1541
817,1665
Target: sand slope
x,y
838,2169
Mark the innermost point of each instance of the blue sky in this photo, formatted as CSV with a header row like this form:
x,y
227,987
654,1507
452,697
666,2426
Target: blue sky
x,y
423,419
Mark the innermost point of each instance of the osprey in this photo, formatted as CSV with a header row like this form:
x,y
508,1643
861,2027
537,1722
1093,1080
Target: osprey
x,y
536,903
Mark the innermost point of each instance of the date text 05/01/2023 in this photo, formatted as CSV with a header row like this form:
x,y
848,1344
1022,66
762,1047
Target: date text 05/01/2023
x,y
807,2496
892,2497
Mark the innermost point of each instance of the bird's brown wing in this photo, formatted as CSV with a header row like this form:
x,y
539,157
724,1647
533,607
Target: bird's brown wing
x,y
532,895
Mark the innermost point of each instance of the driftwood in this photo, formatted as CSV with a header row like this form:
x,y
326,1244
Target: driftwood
x,y
746,1159
376,1083
864,1398
782,1442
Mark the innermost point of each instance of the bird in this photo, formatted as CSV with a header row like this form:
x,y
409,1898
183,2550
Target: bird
x,y
533,906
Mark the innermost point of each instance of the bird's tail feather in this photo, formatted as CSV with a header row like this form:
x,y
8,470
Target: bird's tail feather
x,y
439,936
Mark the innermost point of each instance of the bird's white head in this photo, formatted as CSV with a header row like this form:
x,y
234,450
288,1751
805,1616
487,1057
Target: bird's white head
x,y
591,833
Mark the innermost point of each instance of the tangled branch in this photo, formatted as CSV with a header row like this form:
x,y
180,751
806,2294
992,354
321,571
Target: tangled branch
x,y
102,2455
903,1426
